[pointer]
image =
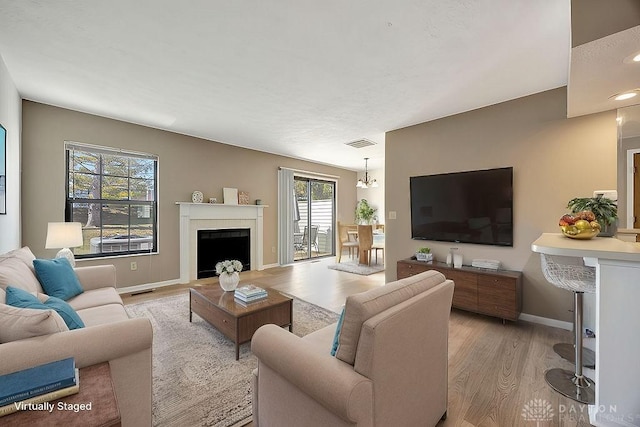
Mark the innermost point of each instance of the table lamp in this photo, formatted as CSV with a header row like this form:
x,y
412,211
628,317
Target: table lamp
x,y
64,235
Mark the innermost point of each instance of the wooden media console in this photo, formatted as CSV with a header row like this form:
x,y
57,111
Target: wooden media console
x,y
495,293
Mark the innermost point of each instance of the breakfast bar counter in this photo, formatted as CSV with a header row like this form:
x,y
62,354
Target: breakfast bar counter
x,y
617,378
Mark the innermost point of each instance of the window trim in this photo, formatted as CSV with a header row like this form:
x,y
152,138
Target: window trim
x,y
69,146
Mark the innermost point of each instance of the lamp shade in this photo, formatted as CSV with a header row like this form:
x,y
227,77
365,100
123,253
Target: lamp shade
x,y
63,235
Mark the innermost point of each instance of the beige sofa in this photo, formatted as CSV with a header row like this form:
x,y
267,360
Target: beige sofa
x,y
109,334
390,367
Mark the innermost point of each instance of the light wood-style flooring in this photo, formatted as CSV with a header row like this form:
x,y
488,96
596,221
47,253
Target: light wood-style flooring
x,y
496,371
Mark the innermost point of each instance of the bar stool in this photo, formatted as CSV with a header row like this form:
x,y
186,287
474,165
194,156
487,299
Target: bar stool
x,y
568,351
577,279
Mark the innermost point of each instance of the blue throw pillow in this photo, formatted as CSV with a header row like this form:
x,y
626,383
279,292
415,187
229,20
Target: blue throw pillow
x,y
57,278
336,337
20,298
23,299
65,311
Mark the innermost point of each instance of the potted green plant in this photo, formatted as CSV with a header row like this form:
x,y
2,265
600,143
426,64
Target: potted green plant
x,y
424,254
604,209
364,212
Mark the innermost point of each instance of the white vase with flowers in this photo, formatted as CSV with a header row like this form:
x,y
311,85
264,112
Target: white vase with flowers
x,y
229,274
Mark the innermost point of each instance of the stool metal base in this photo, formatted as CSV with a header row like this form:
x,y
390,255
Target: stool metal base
x,y
580,389
568,352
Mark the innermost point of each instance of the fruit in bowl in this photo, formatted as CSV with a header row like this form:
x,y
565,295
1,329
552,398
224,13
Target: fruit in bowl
x,y
580,225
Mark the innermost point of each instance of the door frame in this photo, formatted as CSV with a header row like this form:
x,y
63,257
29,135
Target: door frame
x,y
310,179
630,186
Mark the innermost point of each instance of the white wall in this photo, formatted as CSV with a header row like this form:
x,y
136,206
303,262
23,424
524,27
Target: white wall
x,y
11,120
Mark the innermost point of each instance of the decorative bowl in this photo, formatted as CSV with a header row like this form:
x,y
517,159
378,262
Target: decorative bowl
x,y
420,256
574,233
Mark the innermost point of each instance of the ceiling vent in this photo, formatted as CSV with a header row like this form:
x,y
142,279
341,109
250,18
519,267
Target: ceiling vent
x,y
361,143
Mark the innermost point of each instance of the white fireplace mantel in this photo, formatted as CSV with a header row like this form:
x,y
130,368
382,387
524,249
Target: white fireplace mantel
x,y
214,216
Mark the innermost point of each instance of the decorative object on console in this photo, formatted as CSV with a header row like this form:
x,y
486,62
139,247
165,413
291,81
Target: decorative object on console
x,y
491,264
450,256
213,200
64,235
243,197
230,196
197,197
229,272
457,260
424,254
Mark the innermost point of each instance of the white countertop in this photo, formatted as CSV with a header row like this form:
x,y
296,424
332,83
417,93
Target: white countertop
x,y
598,247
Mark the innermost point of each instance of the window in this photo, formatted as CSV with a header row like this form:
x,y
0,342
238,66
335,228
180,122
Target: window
x,y
113,193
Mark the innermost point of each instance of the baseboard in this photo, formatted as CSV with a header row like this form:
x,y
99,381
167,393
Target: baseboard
x,y
546,321
147,286
151,286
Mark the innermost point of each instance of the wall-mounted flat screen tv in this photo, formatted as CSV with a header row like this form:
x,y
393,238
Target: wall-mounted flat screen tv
x,y
465,207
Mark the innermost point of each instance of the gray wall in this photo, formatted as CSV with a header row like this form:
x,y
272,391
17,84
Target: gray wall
x,y
554,160
186,164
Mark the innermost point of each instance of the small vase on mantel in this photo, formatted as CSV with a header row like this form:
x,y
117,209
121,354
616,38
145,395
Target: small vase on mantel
x,y
229,281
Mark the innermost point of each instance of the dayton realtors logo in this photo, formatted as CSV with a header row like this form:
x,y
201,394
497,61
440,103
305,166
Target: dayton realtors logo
x,y
541,411
537,410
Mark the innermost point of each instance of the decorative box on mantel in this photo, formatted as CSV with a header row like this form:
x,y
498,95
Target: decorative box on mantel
x,y
214,216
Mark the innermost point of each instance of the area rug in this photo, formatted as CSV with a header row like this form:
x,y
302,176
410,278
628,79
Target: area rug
x,y
354,267
196,379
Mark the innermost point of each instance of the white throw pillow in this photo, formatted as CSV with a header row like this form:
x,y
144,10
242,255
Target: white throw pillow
x,y
20,323
14,272
24,254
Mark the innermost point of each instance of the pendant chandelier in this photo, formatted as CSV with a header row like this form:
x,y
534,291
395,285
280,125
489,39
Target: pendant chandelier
x,y
367,182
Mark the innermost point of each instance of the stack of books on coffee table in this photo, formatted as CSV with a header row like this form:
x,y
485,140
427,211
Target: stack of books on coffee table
x,y
249,293
32,388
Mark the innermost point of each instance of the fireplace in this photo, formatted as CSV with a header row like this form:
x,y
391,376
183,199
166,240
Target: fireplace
x,y
195,217
223,244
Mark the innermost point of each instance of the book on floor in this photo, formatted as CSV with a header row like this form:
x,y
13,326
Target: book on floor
x,y
38,380
38,402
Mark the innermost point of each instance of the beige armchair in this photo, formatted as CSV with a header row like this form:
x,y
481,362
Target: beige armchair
x,y
390,366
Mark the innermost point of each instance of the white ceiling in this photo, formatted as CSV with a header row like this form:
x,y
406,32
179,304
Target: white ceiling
x,y
298,78
603,68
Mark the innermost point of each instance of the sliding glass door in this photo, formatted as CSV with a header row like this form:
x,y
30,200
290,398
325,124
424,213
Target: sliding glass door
x,y
313,218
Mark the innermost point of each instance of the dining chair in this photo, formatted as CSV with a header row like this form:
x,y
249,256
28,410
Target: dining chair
x,y
365,242
344,241
378,246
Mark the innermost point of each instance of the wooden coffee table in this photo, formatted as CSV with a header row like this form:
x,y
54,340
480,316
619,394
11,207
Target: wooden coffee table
x,y
236,321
